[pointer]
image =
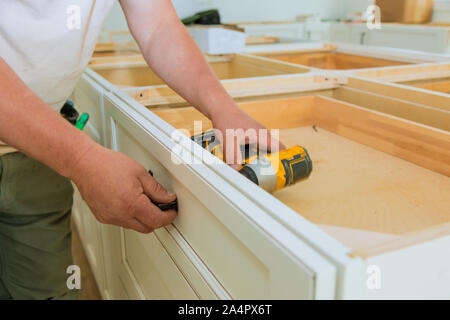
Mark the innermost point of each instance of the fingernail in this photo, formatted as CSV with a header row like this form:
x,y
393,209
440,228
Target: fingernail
x,y
170,193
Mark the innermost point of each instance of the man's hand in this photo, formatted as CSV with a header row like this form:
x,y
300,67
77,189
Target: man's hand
x,y
118,191
233,118
171,52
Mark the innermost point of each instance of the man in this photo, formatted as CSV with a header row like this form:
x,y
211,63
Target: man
x,y
44,48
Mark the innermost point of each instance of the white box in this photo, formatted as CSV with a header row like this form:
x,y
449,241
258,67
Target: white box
x,y
218,39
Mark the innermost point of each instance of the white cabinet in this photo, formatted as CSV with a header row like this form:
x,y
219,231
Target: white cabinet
x,y
232,240
248,252
413,37
430,39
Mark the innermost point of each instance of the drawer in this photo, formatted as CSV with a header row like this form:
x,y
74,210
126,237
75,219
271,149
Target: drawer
x,y
161,265
249,253
226,67
380,185
377,199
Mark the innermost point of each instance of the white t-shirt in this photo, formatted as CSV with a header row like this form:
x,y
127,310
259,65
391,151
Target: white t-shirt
x,y
48,43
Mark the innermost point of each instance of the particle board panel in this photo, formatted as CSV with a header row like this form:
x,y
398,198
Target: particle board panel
x,y
357,187
380,177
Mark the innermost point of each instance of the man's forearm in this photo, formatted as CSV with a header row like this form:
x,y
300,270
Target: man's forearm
x,y
171,52
173,55
32,127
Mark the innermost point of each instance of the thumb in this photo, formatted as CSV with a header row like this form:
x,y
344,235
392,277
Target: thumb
x,y
155,191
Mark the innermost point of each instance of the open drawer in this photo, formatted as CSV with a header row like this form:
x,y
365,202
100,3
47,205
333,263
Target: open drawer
x,y
380,186
226,67
383,168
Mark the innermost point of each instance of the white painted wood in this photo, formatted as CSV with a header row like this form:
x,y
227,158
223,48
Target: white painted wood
x,y
434,39
176,272
251,262
292,30
91,238
423,38
383,52
418,272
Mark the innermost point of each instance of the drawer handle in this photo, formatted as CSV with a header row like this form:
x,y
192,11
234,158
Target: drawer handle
x,y
165,206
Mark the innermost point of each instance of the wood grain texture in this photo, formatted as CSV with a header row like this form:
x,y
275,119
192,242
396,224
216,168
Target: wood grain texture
x,y
357,187
360,180
439,85
406,93
405,73
335,61
158,96
225,67
416,112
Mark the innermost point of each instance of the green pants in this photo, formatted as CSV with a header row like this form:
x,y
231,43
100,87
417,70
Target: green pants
x,y
35,234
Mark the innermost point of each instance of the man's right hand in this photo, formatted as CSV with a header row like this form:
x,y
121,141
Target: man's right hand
x,y
118,191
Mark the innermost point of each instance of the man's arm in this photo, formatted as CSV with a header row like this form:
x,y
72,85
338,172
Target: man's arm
x,y
171,52
116,188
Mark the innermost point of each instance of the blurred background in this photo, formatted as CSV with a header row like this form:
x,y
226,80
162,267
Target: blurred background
x,y
321,20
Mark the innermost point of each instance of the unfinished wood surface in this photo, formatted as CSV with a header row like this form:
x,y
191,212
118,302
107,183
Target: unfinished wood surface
x,y
407,73
117,59
335,61
416,112
233,67
406,93
358,240
363,186
255,40
426,146
287,114
439,85
159,96
361,189
355,186
326,48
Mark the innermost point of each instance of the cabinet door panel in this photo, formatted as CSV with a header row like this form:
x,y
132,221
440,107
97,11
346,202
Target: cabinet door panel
x,y
90,233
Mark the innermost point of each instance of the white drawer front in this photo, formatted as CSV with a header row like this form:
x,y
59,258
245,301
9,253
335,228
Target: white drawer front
x,y
91,236
88,97
248,261
154,270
